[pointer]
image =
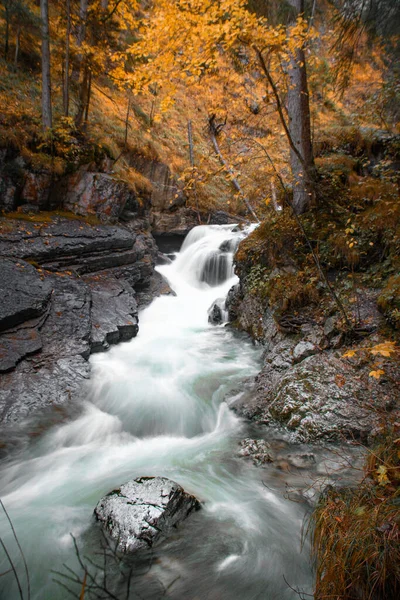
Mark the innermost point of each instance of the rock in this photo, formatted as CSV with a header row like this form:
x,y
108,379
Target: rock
x,y
156,286
220,217
97,193
179,222
65,242
114,316
165,194
36,190
320,398
302,461
257,450
303,350
232,302
216,312
18,343
24,295
330,326
142,512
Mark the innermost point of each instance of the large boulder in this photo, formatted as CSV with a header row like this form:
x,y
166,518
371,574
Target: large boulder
x,y
97,193
143,511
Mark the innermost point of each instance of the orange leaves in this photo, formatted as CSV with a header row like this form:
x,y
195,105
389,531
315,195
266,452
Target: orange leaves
x,y
384,349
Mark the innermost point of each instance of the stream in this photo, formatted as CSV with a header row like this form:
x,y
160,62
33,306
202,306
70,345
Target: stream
x,y
157,406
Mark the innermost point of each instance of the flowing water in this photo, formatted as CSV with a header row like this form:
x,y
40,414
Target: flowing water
x,y
155,406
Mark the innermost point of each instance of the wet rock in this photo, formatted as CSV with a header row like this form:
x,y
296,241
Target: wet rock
x,y
258,450
114,309
24,295
64,240
215,313
302,461
18,343
55,347
35,385
156,286
142,512
233,301
320,398
303,350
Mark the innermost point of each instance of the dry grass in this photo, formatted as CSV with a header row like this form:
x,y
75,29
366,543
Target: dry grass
x,y
356,533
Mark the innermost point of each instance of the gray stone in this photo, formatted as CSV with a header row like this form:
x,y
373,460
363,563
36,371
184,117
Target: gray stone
x,y
303,350
155,287
330,326
215,312
113,312
142,512
24,294
257,450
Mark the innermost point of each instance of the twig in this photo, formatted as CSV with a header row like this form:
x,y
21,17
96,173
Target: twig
x,y
19,548
13,569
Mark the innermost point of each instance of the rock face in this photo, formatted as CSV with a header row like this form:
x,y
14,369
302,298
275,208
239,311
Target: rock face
x,y
23,294
97,193
178,222
143,511
305,384
78,299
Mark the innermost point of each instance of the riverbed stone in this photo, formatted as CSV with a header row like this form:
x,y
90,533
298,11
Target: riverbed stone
x,y
258,450
142,512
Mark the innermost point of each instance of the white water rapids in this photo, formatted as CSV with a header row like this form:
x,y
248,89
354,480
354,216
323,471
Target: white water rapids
x,y
155,406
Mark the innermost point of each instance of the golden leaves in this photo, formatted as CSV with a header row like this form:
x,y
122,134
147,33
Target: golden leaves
x,y
384,349
376,374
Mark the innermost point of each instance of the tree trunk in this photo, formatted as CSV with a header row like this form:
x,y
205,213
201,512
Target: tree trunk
x,y
298,105
83,96
66,67
82,72
7,36
17,41
46,80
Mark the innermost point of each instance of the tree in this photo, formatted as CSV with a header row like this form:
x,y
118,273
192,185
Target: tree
x,y
199,31
47,120
298,107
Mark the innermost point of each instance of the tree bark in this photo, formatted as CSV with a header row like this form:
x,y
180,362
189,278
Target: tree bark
x,y
298,105
47,120
17,41
82,70
7,36
66,67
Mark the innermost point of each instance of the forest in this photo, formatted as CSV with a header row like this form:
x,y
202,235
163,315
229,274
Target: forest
x,y
200,282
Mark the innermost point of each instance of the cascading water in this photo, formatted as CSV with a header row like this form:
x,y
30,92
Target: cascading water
x,y
155,407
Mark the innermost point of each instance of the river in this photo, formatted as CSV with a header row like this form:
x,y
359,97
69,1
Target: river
x,y
156,406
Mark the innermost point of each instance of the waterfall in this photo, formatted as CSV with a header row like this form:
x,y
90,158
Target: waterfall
x,y
156,406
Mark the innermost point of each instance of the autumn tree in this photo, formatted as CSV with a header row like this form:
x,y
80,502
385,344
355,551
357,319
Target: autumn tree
x,y
186,39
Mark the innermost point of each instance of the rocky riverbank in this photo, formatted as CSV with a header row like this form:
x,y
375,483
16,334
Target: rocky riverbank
x,y
69,289
306,385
